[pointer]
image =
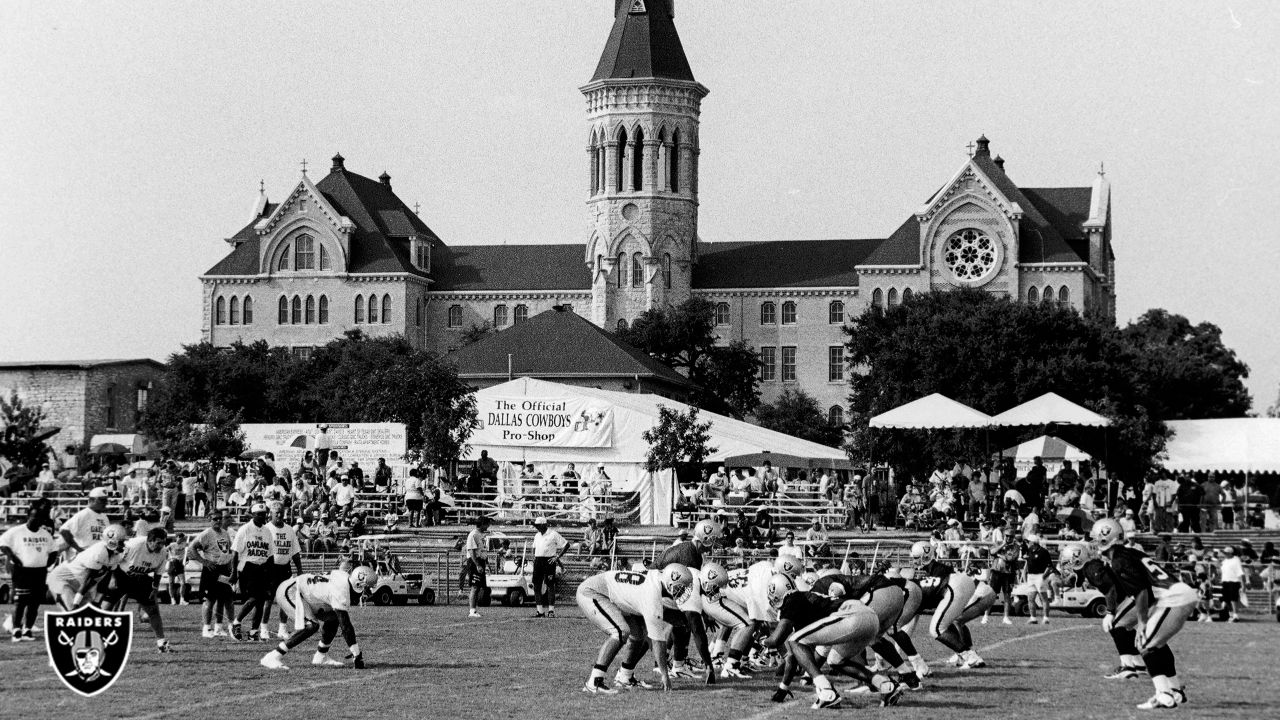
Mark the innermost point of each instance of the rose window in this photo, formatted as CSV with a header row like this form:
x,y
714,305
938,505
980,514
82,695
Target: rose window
x,y
970,255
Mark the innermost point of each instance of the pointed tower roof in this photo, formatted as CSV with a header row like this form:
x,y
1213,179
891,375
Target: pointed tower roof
x,y
643,44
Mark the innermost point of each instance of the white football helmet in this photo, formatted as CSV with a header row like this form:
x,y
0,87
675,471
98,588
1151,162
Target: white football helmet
x,y
362,578
1106,533
906,573
780,586
922,553
706,532
788,565
1074,556
836,590
714,576
677,581
114,536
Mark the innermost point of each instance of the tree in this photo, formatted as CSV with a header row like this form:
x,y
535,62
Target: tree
x,y
1188,372
993,353
19,429
797,413
678,440
475,333
1274,410
727,376
216,437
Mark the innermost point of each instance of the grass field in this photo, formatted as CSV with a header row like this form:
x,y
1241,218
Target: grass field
x,y
433,662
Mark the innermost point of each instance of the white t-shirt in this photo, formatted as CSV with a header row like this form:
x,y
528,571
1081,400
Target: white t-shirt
x,y
1232,570
95,557
253,543
344,494
548,544
284,544
32,547
475,541
86,527
138,560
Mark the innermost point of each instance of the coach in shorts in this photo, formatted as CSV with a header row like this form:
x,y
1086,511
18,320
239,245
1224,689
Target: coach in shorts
x,y
473,568
251,556
548,547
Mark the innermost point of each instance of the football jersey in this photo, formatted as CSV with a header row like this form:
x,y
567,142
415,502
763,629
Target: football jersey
x,y
685,553
1136,573
284,543
853,586
802,608
638,594
253,543
933,580
95,557
325,592
86,527
138,560
32,547
214,545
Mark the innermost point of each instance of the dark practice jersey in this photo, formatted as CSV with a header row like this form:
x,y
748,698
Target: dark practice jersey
x,y
1100,575
1038,560
1135,572
855,586
685,553
933,579
802,608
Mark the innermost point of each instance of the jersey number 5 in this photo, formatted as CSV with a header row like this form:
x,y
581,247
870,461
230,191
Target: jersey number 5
x,y
1154,569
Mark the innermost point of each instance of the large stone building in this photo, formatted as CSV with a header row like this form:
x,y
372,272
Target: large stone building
x,y
347,253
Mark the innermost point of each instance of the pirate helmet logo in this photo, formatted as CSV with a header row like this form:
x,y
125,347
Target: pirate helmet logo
x,y
88,647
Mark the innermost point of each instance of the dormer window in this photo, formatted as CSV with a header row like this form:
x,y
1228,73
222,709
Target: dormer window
x,y
304,253
421,253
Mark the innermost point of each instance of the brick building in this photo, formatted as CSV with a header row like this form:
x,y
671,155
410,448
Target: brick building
x,y
346,252
84,398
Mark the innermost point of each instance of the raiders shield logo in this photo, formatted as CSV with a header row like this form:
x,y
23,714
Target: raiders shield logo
x,y
88,647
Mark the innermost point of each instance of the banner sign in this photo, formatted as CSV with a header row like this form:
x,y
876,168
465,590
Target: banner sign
x,y
544,422
353,442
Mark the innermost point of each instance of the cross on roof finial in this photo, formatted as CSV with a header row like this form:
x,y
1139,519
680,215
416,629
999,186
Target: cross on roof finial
x,y
1102,169
304,166
970,146
262,186
416,207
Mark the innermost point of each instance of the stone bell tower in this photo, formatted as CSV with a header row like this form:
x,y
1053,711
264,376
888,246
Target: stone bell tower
x,y
642,154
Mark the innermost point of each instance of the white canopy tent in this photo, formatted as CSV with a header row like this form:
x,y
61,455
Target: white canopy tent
x,y
624,452
1049,409
932,412
1050,449
1236,445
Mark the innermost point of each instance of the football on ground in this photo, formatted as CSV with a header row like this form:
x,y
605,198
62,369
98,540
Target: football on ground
x,y
434,662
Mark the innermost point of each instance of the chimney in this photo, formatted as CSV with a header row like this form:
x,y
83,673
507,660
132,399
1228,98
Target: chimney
x,y
385,179
999,162
984,147
337,163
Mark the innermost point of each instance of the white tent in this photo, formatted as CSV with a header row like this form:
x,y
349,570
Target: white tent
x,y
1049,408
619,419
1051,450
931,412
1243,445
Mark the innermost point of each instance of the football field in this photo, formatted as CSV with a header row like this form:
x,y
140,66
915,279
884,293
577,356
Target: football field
x,y
434,662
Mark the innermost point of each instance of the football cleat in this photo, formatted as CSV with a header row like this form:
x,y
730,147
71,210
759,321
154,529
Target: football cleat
x,y
1179,695
634,683
682,670
17,637
954,659
473,614
27,636
596,686
237,632
264,634
922,667
207,633
733,672
539,615
1122,672
1159,701
273,661
892,697
324,660
828,699
911,680
551,613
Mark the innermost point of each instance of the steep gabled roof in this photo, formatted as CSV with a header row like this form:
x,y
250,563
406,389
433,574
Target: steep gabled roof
x,y
558,343
900,248
643,44
1040,240
787,263
511,267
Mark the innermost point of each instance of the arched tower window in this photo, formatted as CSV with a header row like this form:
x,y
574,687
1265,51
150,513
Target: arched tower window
x,y
455,316
500,316
835,312
310,317
359,309
722,313
1064,297
248,309
788,313
304,253
893,297
666,270
386,309
622,269
282,312
324,310
220,311
768,314
637,270
282,263
622,160
673,160
835,416
622,323
373,309
1033,296
877,298
325,263
295,310
637,161
906,295
521,314
595,164
1047,297
235,311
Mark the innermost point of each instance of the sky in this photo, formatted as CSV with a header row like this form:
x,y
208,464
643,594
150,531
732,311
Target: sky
x,y
133,136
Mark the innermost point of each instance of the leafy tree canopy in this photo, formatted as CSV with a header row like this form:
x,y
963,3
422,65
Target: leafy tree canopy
x,y
684,338
797,413
677,440
1188,372
19,427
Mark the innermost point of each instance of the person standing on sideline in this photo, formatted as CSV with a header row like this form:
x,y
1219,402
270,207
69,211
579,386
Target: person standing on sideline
x,y
29,548
85,527
212,548
250,564
473,568
1232,578
413,498
176,560
548,547
286,550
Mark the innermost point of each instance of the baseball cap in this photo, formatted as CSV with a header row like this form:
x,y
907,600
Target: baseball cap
x,y
258,508
539,520
98,492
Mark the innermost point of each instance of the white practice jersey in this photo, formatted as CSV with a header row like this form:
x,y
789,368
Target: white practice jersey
x,y
750,589
138,560
637,594
325,592
96,557
86,527
32,547
284,544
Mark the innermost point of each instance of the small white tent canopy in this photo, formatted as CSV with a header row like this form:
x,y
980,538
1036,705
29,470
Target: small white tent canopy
x,y
1049,408
624,459
931,412
1243,445
1050,449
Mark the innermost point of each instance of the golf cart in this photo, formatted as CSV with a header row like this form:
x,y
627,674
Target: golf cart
x,y
394,586
511,583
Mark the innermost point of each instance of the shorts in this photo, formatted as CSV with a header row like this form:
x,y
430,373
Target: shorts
x,y
177,573
474,575
61,582
138,588
1037,581
1001,581
254,581
1230,592
215,582
29,581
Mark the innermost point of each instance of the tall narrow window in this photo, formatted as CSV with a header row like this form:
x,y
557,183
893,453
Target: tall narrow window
x,y
768,364
835,416
674,156
788,313
234,308
666,270
1047,297
835,363
220,311
359,309
111,406
324,310
282,263
877,298
621,160
622,270
1033,296
325,264
1064,297
835,312
637,161
309,316
768,314
373,309
622,323
248,309
637,270
304,253
500,316
282,315
595,165
295,310
906,295
893,297
722,313
521,314
455,316
788,364
386,309
143,394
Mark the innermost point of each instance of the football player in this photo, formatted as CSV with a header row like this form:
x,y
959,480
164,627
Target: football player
x,y
845,628
689,554
1136,577
945,592
320,602
888,599
980,603
138,576
1121,620
29,548
74,582
212,547
729,615
629,607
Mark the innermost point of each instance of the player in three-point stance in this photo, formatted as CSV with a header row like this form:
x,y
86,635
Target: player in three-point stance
x,y
947,593
74,582
320,602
